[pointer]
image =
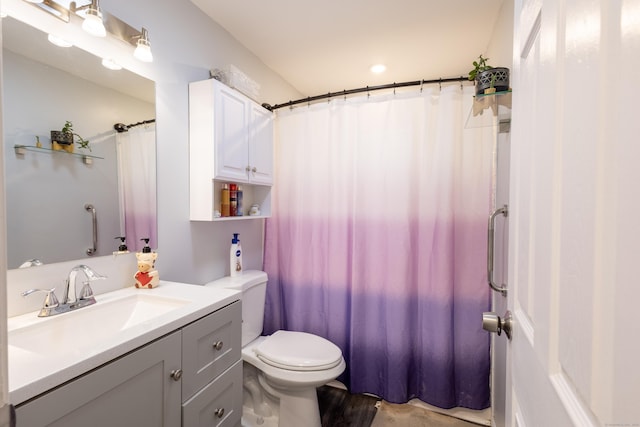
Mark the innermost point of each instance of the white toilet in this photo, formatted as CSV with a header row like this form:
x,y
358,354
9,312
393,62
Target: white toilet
x,y
281,371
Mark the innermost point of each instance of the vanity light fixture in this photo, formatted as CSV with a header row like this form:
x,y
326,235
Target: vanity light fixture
x,y
143,47
59,41
97,22
93,20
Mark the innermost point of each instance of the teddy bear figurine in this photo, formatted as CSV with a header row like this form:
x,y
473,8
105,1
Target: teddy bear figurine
x,y
146,277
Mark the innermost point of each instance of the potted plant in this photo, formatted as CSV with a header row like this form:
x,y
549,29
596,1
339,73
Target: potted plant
x,y
63,139
488,79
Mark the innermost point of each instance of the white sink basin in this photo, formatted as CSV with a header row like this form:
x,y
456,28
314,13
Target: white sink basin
x,y
45,352
86,327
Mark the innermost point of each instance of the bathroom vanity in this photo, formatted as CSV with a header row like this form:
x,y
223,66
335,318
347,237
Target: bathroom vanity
x,y
163,357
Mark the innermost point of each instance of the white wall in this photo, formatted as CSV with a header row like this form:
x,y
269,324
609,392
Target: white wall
x,y
4,392
500,47
186,45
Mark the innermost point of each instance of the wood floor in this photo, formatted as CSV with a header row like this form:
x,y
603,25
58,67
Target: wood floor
x,y
339,408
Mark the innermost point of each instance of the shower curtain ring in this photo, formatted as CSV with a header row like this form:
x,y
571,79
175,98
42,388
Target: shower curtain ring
x,y
421,85
440,84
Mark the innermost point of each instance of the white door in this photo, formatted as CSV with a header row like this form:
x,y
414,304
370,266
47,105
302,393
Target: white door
x,y
500,278
574,215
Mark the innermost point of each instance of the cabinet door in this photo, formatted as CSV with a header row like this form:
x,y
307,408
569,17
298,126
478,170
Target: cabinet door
x,y
135,390
209,346
231,134
260,146
219,404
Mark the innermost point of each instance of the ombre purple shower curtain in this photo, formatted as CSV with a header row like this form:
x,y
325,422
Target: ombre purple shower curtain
x,y
377,241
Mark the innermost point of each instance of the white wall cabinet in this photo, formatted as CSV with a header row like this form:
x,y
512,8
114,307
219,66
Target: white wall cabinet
x,y
190,377
230,141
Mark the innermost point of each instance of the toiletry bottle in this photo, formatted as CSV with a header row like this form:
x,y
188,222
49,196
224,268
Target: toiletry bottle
x,y
224,200
235,257
239,201
122,249
233,199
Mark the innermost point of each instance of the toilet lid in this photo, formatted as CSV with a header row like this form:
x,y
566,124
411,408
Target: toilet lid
x,y
298,351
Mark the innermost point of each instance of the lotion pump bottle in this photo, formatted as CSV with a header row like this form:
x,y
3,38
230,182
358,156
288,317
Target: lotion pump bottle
x,y
235,257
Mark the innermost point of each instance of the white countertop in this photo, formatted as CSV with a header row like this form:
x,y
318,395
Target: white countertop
x,y
32,373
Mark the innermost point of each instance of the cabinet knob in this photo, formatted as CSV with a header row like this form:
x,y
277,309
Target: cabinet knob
x,y
218,345
248,168
254,169
219,412
176,374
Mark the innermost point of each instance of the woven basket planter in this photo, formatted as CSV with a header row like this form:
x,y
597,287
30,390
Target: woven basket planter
x,y
500,81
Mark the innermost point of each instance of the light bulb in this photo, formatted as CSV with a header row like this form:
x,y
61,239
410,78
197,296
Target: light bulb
x,y
143,48
93,23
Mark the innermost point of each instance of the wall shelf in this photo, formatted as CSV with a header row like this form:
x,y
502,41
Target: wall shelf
x,y
86,158
490,110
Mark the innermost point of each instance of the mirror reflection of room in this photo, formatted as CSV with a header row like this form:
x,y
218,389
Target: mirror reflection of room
x,y
48,188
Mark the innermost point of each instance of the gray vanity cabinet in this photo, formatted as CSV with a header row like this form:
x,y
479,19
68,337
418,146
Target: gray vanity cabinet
x,y
134,390
212,369
191,377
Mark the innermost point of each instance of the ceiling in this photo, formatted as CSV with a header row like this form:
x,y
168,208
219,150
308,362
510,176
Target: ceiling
x,y
330,45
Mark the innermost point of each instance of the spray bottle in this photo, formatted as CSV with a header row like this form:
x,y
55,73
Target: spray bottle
x,y
235,257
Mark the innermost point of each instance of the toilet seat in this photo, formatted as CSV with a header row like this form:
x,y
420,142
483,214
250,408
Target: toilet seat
x,y
298,351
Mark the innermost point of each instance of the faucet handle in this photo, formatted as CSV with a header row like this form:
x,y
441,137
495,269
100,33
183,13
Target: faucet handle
x,y
86,292
50,301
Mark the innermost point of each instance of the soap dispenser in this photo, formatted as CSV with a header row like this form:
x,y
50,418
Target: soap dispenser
x,y
235,257
146,277
122,249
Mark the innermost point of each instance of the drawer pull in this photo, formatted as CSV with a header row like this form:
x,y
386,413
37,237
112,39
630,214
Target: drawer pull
x,y
176,374
219,412
218,345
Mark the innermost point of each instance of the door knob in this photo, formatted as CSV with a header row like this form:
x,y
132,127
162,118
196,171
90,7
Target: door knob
x,y
491,322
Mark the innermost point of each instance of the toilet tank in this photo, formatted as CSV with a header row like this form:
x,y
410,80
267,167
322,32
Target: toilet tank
x,y
253,285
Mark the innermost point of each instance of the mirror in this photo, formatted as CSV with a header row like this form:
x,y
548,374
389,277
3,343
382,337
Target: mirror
x,y
47,191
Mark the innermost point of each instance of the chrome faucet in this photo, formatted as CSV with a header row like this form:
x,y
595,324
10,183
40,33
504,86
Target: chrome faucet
x,y
70,295
70,299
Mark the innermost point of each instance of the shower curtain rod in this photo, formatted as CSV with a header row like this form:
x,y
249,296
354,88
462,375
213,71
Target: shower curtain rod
x,y
361,90
121,127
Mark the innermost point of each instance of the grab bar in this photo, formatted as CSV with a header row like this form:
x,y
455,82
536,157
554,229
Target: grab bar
x,y
490,243
94,219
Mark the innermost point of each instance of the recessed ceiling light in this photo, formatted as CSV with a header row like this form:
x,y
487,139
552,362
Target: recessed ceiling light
x,y
378,68
59,41
111,64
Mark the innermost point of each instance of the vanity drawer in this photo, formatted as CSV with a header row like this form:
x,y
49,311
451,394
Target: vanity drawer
x,y
210,346
219,404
